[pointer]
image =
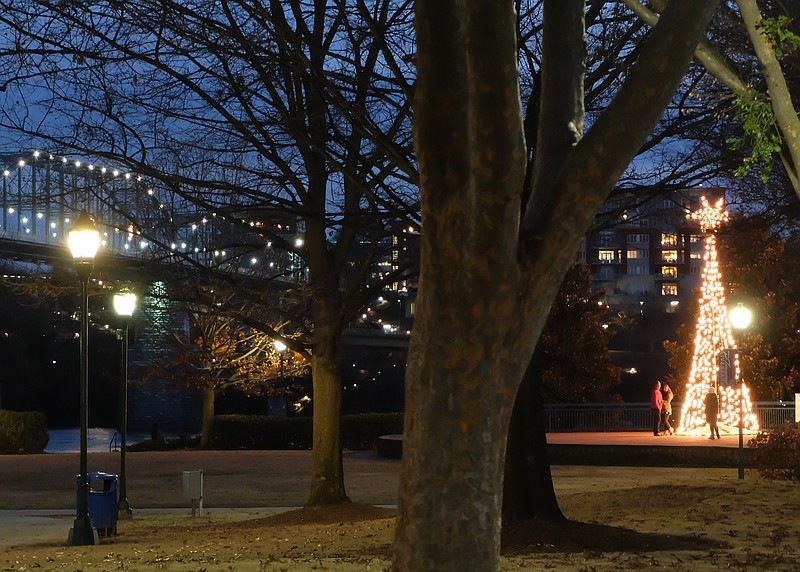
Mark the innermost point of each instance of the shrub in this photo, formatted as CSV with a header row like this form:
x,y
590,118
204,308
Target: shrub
x,y
22,431
777,453
359,432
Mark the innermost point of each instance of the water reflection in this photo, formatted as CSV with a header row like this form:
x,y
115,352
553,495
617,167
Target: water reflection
x,y
98,440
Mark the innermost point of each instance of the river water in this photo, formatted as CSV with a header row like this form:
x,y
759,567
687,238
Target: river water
x,y
98,440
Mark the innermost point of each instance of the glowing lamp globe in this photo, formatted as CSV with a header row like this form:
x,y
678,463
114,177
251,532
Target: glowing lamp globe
x,y
124,303
83,241
740,317
280,346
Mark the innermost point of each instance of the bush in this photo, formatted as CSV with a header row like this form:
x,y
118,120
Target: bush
x,y
777,453
359,432
22,432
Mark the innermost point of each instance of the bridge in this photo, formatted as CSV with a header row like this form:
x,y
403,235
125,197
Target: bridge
x,y
41,194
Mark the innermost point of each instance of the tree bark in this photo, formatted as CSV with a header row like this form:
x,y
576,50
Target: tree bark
x,y
463,365
327,474
528,490
209,395
484,294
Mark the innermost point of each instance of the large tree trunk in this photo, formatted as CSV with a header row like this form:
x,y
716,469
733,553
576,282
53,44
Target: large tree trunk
x,y
464,364
487,284
528,486
327,474
209,395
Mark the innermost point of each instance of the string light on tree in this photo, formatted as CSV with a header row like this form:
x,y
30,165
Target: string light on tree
x,y
713,335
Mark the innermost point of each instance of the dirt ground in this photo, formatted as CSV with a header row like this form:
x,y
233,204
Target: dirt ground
x,y
622,518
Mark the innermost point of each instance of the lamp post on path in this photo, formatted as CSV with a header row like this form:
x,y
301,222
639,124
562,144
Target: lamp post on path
x,y
124,305
740,319
83,241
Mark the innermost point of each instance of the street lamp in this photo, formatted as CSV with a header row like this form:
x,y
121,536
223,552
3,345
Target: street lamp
x,y
83,241
281,348
740,319
124,305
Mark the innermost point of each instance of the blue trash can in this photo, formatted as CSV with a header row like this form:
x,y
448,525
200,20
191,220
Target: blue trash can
x,y
102,502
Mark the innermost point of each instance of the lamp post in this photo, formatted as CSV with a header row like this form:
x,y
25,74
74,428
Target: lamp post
x,y
83,241
281,347
124,305
740,319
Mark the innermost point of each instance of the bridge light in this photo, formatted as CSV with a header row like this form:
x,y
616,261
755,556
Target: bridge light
x,y
21,163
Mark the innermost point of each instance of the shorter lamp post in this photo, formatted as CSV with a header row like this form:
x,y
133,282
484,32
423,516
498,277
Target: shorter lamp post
x,y
281,347
124,305
83,241
740,319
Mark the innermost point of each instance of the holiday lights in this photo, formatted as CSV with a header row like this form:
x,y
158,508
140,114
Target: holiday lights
x,y
109,176
713,334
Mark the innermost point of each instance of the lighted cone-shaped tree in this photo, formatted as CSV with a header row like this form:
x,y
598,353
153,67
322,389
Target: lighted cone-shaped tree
x,y
713,335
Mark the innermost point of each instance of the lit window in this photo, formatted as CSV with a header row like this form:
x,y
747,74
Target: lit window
x,y
606,256
669,289
669,239
669,272
669,256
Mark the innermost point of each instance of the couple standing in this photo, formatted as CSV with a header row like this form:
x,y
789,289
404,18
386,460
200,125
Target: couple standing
x,y
661,409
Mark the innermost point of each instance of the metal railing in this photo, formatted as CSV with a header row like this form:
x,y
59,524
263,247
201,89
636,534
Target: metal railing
x,y
114,444
602,417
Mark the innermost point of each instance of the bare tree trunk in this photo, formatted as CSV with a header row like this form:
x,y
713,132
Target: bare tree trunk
x,y
528,490
209,394
463,364
327,474
484,293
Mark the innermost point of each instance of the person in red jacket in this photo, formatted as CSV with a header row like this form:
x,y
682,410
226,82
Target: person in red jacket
x,y
656,401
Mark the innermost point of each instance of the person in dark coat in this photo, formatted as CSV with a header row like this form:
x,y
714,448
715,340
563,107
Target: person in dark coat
x,y
712,412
